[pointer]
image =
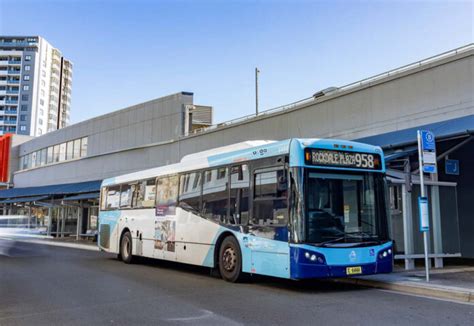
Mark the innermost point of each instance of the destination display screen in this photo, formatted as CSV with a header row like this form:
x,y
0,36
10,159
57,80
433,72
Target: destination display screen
x,y
343,159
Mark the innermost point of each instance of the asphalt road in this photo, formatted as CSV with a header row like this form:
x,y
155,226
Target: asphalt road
x,y
42,285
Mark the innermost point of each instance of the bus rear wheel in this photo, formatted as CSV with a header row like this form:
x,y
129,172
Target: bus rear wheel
x,y
126,248
230,260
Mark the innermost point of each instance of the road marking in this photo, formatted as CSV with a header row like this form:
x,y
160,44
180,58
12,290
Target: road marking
x,y
206,316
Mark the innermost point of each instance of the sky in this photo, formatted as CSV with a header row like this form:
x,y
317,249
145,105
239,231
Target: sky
x,y
127,52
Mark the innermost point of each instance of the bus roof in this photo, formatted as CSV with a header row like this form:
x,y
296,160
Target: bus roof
x,y
240,152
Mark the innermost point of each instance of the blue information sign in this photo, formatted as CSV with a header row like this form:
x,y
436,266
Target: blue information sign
x,y
428,141
424,214
452,167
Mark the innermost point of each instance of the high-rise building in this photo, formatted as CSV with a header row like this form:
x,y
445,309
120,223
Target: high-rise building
x,y
35,86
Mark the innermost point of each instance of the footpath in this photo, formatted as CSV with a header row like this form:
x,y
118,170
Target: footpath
x,y
454,283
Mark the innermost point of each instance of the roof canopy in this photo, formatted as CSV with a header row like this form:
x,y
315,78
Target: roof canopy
x,y
443,129
52,190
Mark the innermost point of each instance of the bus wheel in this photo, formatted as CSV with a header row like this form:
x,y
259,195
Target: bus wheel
x,y
230,260
126,248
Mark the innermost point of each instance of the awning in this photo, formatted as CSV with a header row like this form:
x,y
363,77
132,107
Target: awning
x,y
53,190
443,129
94,195
23,200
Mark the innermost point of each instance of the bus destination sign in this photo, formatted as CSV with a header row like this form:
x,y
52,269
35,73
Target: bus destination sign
x,y
334,158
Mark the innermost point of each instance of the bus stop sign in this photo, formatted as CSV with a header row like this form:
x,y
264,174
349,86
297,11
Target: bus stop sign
x,y
427,141
428,151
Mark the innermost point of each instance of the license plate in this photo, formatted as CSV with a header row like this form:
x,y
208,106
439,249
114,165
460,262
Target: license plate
x,y
353,270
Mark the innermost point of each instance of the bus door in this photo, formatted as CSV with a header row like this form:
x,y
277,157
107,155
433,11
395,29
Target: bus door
x,y
269,222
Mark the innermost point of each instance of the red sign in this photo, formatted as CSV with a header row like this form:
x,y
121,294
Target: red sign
x,y
5,146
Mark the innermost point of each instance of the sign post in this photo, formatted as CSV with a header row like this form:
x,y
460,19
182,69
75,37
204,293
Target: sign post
x,y
427,159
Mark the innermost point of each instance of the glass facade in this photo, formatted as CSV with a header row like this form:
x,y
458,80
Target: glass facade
x,y
66,151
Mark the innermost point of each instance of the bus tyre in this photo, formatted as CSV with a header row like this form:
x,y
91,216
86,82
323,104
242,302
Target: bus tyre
x,y
126,248
230,260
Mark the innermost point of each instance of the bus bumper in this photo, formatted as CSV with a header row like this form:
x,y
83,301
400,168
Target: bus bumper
x,y
304,266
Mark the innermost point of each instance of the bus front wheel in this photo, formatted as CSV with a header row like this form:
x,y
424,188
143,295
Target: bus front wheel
x,y
230,260
126,248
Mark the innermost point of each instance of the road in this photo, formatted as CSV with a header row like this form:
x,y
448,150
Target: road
x,y
42,285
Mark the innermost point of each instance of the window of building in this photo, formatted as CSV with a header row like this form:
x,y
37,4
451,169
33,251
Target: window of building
x,y
167,193
214,195
42,92
145,196
41,112
56,153
27,57
41,102
26,77
43,83
27,67
24,107
40,132
69,150
22,117
62,152
77,148
84,146
22,128
43,73
43,156
190,191
25,97
50,156
26,87
239,194
270,197
40,122
113,197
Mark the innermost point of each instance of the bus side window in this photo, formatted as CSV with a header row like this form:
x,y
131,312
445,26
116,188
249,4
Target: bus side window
x,y
145,194
214,195
113,197
126,194
239,194
190,192
167,191
103,199
270,198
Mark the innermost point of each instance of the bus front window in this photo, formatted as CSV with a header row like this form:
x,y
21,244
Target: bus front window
x,y
344,208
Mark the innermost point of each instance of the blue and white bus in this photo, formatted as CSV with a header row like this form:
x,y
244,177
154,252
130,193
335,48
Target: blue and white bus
x,y
296,209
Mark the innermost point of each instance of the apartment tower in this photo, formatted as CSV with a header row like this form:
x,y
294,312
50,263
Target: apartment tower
x,y
35,86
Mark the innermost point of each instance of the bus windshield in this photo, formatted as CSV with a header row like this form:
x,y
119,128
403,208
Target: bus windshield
x,y
344,208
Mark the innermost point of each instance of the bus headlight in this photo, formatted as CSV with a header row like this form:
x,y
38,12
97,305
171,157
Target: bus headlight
x,y
307,255
313,258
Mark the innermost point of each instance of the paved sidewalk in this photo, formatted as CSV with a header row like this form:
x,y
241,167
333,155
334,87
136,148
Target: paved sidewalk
x,y
452,283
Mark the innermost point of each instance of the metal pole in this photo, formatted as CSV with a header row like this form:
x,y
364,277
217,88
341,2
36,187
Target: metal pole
x,y
256,90
422,190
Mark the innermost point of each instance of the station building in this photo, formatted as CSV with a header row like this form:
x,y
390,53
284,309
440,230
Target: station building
x,y
56,177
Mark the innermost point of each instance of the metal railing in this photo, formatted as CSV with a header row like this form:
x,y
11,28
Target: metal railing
x,y
363,82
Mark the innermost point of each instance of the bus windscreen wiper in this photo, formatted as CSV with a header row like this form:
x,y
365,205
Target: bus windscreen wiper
x,y
322,244
363,234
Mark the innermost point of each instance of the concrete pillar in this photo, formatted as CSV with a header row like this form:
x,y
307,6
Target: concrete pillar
x,y
407,228
436,218
50,219
79,221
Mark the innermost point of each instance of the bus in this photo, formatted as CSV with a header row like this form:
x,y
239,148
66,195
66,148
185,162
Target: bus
x,y
295,209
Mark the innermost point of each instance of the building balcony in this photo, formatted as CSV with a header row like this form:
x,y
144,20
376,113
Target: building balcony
x,y
14,44
14,62
15,112
12,81
11,101
12,91
14,72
